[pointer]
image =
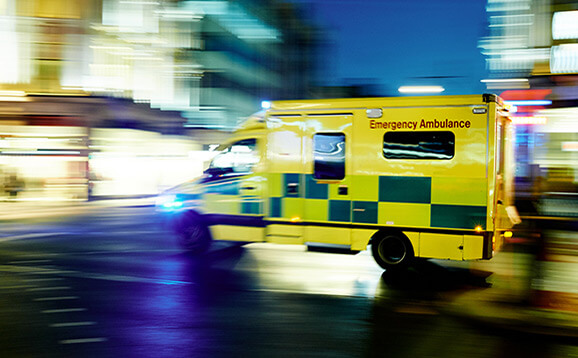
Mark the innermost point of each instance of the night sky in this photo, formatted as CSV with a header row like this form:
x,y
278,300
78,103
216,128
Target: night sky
x,y
390,43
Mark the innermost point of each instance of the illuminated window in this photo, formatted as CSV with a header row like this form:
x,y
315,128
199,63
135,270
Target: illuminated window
x,y
419,145
329,156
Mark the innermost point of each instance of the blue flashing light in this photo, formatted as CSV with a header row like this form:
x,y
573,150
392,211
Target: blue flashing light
x,y
265,104
170,202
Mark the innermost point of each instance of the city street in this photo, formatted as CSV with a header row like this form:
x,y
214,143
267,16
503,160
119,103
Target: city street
x,y
111,282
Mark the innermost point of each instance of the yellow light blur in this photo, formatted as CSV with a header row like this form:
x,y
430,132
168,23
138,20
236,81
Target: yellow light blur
x,y
295,219
508,234
478,228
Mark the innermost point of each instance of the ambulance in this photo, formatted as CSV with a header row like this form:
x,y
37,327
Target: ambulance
x,y
408,177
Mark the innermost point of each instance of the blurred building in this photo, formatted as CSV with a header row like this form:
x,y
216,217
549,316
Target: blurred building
x,y
81,79
532,54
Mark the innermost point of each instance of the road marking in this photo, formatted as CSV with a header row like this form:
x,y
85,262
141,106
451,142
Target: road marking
x,y
44,279
46,272
49,288
29,262
60,298
31,236
15,287
122,278
72,324
83,340
65,310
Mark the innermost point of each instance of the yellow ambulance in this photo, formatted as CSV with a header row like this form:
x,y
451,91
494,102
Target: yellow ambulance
x,y
411,177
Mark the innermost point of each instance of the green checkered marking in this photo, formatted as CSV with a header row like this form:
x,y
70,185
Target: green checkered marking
x,y
365,212
250,207
275,207
458,216
314,190
405,189
340,210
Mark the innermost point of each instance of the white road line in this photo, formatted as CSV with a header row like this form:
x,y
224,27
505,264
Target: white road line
x,y
72,324
55,288
29,262
65,310
46,272
15,287
83,340
60,298
31,236
43,279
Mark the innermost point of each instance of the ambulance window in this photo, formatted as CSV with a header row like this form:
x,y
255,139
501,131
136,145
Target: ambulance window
x,y
419,145
238,158
329,156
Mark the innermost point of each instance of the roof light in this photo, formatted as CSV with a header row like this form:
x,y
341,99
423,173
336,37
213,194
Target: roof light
x,y
265,104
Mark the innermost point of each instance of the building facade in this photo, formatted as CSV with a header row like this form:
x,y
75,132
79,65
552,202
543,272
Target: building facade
x,y
532,55
96,71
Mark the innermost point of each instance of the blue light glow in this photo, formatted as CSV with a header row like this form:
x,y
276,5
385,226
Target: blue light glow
x,y
169,202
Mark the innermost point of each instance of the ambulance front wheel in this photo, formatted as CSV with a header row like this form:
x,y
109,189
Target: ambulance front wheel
x,y
194,235
392,251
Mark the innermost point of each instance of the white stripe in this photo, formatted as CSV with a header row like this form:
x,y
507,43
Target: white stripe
x,y
30,236
72,324
61,298
49,288
65,310
83,340
29,262
44,279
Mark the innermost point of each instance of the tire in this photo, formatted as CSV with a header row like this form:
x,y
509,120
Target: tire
x,y
194,235
392,251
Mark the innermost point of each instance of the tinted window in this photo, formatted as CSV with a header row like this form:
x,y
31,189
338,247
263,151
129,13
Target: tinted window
x,y
419,145
329,156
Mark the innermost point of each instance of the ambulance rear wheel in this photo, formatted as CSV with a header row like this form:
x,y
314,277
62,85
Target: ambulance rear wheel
x,y
194,235
392,251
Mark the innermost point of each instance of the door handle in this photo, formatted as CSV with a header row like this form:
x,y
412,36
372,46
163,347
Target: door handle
x,y
248,188
292,188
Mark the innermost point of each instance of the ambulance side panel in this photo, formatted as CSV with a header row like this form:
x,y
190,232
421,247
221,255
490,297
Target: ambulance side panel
x,y
434,201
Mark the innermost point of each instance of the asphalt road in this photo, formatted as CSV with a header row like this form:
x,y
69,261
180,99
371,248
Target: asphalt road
x,y
113,284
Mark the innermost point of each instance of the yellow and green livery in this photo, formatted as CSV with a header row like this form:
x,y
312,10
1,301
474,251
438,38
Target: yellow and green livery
x,y
427,177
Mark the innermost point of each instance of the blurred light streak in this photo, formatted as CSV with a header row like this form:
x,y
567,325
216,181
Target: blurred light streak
x,y
528,120
421,89
564,58
565,25
536,102
507,80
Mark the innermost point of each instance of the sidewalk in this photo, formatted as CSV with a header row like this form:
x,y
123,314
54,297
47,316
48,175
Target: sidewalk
x,y
27,209
517,302
498,309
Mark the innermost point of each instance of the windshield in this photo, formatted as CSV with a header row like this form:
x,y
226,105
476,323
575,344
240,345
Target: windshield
x,y
239,158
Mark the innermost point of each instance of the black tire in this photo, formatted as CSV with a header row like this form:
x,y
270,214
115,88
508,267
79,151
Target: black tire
x,y
392,251
194,235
